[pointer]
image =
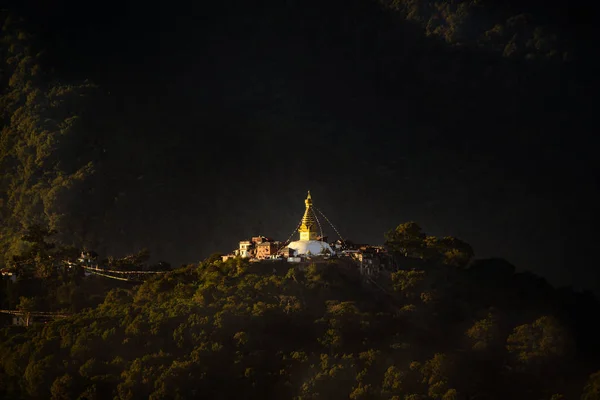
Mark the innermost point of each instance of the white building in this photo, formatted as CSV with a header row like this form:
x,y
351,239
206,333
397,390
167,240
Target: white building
x,y
246,248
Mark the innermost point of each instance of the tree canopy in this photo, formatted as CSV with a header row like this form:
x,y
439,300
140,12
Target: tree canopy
x,y
40,119
271,330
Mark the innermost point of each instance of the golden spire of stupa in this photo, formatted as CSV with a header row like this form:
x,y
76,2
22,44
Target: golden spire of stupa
x,y
308,229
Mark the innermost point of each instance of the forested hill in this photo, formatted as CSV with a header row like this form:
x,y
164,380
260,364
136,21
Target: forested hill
x,y
467,103
270,330
478,111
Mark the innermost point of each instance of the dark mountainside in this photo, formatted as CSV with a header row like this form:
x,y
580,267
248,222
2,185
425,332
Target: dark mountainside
x,y
204,125
433,329
464,116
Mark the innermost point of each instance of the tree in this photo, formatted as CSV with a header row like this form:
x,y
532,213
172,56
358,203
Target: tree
x,y
406,239
131,262
39,121
435,374
454,251
214,257
41,255
27,304
538,345
409,283
591,391
62,388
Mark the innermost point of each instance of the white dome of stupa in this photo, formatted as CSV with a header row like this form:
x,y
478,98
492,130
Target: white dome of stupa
x,y
310,247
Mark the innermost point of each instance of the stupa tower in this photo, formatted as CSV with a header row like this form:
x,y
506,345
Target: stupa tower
x,y
308,228
308,245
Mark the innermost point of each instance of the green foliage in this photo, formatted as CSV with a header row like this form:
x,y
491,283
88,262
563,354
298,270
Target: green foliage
x,y
39,120
410,283
407,239
132,262
62,388
484,333
410,241
592,387
539,341
26,304
454,251
42,256
477,23
220,329
435,375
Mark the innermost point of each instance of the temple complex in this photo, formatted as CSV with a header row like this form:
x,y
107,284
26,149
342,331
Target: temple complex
x,y
312,246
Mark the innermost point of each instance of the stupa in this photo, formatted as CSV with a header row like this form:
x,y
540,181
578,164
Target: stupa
x,y
308,245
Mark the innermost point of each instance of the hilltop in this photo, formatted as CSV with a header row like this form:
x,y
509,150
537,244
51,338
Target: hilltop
x,y
426,110
274,330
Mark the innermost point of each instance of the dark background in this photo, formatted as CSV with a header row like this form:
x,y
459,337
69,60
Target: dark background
x,y
217,119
